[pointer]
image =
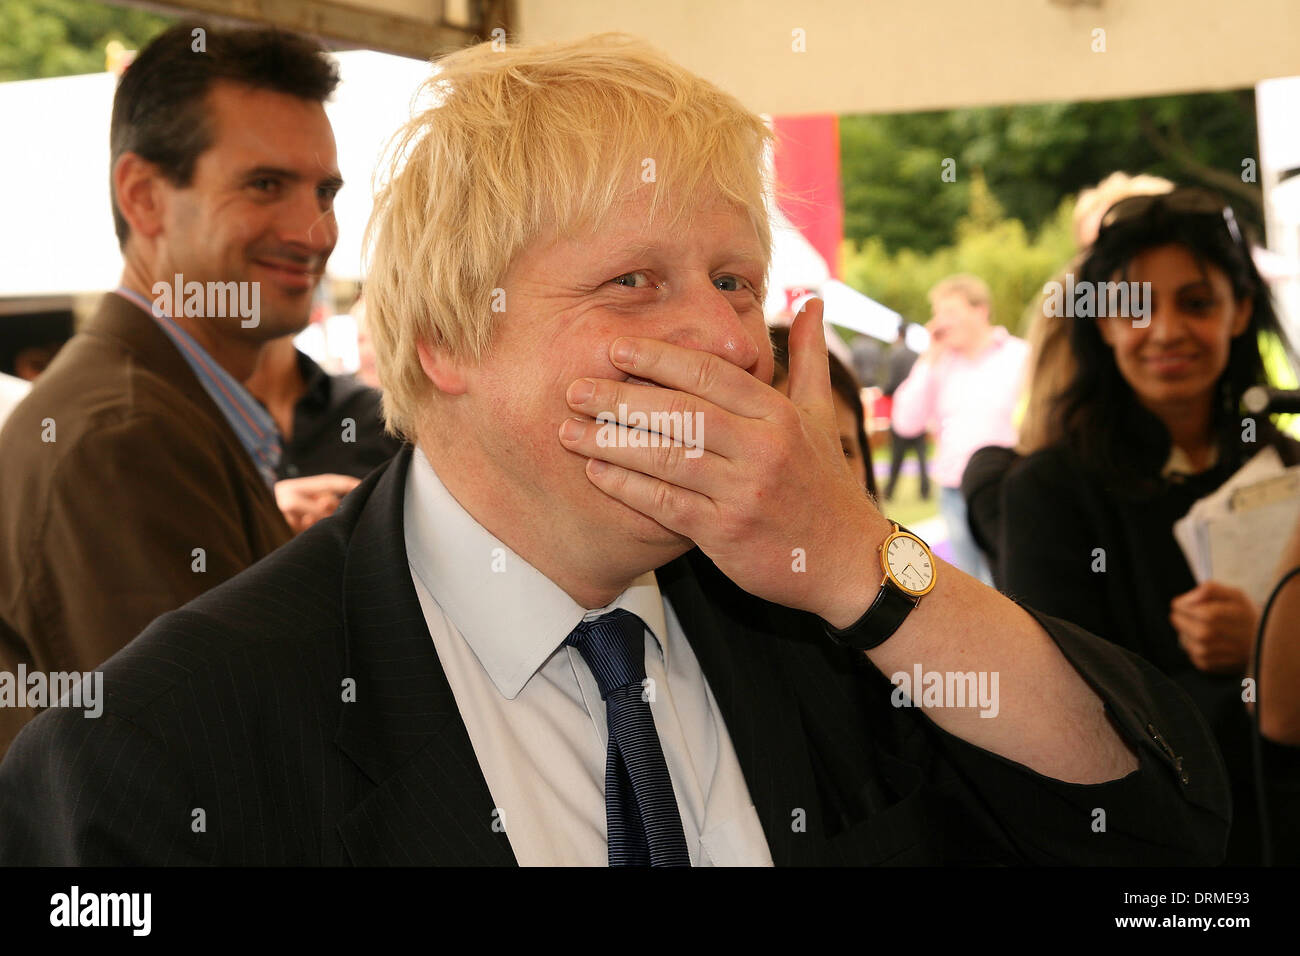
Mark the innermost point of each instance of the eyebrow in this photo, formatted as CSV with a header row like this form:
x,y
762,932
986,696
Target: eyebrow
x,y
334,180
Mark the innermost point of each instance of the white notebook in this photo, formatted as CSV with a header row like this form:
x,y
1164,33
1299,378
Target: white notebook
x,y
1236,535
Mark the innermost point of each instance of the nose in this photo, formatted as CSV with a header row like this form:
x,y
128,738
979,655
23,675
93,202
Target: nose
x,y
304,223
706,320
1168,324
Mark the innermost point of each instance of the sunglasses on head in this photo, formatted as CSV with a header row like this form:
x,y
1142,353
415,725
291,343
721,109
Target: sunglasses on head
x,y
1186,201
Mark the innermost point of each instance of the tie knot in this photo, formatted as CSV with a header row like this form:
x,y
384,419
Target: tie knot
x,y
613,645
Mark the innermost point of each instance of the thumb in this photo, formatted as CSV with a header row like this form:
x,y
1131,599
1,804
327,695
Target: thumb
x,y
810,373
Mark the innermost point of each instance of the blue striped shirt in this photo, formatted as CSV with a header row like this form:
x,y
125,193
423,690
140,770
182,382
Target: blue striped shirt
x,y
252,423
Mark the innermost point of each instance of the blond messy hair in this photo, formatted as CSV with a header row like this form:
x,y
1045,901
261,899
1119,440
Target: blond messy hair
x,y
525,142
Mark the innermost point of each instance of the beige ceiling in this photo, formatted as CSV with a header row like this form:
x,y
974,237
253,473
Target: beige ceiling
x,y
859,55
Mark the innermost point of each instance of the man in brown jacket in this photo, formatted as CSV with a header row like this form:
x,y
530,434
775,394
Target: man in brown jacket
x,y
139,472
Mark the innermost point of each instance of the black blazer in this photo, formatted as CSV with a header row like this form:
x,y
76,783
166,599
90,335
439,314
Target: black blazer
x,y
1129,601
227,739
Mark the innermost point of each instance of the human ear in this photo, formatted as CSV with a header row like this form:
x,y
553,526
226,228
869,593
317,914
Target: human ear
x,y
446,374
137,186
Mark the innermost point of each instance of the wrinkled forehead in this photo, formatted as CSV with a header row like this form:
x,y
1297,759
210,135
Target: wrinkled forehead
x,y
255,127
648,221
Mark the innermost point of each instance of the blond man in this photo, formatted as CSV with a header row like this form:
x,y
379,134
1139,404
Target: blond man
x,y
567,627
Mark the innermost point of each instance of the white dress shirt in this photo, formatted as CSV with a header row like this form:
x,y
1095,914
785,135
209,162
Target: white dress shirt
x,y
531,705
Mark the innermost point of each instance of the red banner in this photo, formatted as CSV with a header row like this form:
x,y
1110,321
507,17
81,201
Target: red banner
x,y
807,159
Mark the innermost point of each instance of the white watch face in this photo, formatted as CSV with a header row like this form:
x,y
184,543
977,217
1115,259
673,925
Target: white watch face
x,y
910,564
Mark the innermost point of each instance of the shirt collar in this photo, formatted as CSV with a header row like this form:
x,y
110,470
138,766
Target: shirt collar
x,y
999,337
1180,465
997,340
512,616
252,424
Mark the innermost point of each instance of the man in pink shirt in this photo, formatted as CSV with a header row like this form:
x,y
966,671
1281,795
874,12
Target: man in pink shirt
x,y
965,387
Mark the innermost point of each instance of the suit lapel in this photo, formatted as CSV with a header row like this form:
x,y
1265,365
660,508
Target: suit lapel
x,y
760,711
805,725
404,730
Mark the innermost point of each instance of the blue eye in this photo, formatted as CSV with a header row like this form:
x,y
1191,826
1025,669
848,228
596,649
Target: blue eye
x,y
619,280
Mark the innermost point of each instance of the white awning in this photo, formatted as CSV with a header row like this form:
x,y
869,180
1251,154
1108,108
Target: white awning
x,y
858,56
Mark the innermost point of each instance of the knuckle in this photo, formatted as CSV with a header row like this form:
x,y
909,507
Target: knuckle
x,y
777,453
616,478
678,408
706,374
606,398
667,458
665,499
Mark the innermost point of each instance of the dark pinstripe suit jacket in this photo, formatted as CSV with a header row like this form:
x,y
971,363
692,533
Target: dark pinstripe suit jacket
x,y
226,736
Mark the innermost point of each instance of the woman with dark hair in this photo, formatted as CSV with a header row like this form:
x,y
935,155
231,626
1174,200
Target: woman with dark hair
x,y
1151,422
848,407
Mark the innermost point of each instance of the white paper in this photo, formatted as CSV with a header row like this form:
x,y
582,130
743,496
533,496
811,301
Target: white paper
x,y
1231,546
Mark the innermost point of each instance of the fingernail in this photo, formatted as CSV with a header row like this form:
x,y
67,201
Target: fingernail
x,y
595,466
580,392
572,429
623,352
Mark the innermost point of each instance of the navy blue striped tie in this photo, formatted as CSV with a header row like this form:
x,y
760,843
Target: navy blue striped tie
x,y
641,815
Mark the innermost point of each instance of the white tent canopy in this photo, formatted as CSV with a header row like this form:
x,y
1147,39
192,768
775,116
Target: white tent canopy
x,y
795,264
61,240
857,56
55,202
850,309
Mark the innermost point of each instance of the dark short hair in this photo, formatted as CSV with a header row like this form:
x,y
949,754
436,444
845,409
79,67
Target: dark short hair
x,y
843,382
159,110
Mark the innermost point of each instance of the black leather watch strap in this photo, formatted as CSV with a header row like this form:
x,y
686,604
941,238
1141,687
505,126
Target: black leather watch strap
x,y
878,624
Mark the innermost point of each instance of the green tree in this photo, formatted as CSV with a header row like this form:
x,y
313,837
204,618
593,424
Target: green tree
x,y
999,250
1032,157
41,38
891,170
